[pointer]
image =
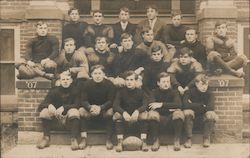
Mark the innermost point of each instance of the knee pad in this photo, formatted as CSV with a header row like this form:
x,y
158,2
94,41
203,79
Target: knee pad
x,y
244,58
154,115
143,116
117,116
108,113
50,66
178,115
44,114
189,112
73,113
26,72
84,113
212,55
211,115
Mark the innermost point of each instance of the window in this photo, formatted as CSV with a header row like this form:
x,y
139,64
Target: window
x,y
10,45
246,50
187,6
84,6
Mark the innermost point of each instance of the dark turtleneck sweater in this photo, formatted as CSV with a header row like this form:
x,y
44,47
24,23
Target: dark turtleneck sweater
x,y
42,47
74,30
195,99
130,100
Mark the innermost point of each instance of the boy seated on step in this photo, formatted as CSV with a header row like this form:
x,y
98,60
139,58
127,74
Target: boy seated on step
x,y
222,53
59,107
165,109
130,106
40,54
198,103
96,97
184,70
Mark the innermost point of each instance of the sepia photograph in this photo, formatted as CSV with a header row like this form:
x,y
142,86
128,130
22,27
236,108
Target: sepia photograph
x,y
125,78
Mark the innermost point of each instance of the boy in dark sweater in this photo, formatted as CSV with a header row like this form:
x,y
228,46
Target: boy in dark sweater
x,y
98,29
40,54
222,53
184,70
74,29
59,105
101,55
199,50
165,106
130,106
97,97
153,68
198,103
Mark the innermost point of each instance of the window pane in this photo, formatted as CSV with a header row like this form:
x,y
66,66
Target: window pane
x,y
7,45
247,53
7,72
84,6
187,6
135,6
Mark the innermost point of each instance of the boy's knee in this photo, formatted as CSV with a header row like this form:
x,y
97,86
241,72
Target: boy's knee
x,y
109,113
244,58
117,116
50,66
26,72
154,115
189,113
143,116
211,115
212,55
73,113
178,115
44,114
84,113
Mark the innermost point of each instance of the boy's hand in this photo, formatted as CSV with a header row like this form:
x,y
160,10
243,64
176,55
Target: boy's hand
x,y
155,105
52,110
113,45
181,90
139,70
59,111
134,116
31,63
44,61
95,110
119,81
126,116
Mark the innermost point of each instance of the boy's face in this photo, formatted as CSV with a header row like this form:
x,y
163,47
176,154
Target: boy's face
x,y
202,86
69,46
98,75
127,43
164,83
42,30
74,16
148,36
98,17
65,80
191,36
101,44
185,59
157,56
151,13
124,16
130,82
221,30
176,20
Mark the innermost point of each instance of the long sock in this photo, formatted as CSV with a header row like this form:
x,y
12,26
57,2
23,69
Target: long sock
x,y
74,127
119,128
178,123
109,128
83,124
154,128
236,63
143,126
222,64
208,128
188,124
46,124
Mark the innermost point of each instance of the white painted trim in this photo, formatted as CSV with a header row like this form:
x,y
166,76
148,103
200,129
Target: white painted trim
x,y
240,42
16,46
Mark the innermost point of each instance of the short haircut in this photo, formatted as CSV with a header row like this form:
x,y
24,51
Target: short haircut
x,y
187,51
201,77
156,48
162,75
175,13
152,6
96,11
40,23
130,73
190,28
71,9
101,37
65,73
68,39
218,23
125,9
93,68
145,29
126,36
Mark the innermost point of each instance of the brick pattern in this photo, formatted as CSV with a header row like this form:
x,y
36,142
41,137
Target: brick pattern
x,y
14,4
28,101
242,4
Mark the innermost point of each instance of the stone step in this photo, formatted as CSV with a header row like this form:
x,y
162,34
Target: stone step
x,y
96,137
